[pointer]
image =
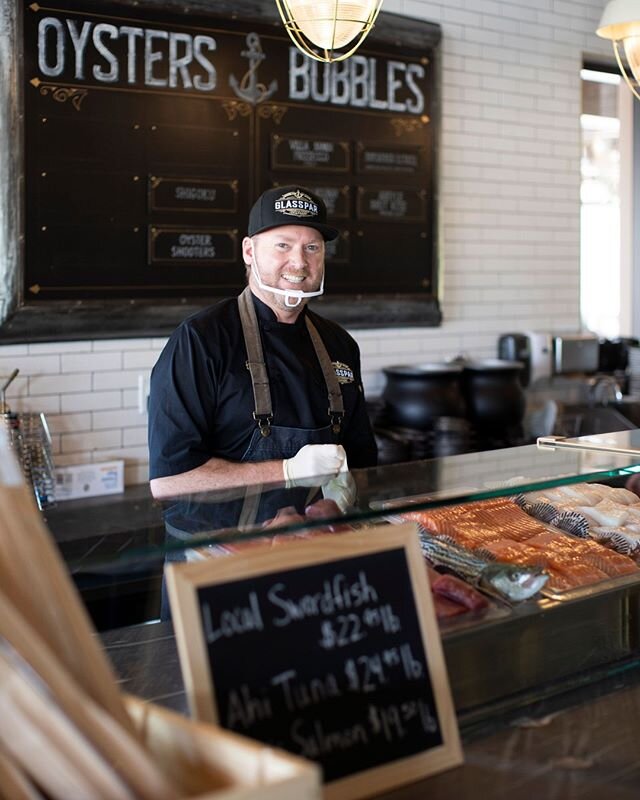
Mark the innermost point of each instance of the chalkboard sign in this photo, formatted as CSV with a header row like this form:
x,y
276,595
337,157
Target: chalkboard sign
x,y
327,648
139,119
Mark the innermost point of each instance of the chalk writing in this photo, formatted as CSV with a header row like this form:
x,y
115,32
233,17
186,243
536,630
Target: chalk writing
x,y
232,622
194,193
359,81
376,158
142,56
316,154
324,660
86,49
195,246
389,204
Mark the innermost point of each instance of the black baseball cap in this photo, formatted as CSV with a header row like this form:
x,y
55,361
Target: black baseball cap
x,y
290,205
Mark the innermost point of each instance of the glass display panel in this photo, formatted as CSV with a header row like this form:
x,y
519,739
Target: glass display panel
x,y
150,530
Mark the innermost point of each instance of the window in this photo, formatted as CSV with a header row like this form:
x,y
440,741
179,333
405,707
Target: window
x,y
600,270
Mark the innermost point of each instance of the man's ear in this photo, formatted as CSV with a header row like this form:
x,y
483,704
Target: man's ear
x,y
247,250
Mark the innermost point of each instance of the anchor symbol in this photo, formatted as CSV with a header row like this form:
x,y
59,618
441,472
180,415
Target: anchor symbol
x,y
249,89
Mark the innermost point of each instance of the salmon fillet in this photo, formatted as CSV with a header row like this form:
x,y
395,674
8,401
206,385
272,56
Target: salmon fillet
x,y
516,553
501,528
519,553
480,521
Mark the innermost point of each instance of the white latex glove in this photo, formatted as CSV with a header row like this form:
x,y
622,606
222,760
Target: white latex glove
x,y
342,489
311,461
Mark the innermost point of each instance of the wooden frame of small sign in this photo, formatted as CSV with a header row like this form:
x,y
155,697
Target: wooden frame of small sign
x,y
327,647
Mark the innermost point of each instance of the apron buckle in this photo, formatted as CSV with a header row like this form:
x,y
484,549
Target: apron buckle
x,y
336,421
264,423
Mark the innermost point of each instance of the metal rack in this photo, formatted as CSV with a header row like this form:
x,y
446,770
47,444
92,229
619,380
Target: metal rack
x,y
29,437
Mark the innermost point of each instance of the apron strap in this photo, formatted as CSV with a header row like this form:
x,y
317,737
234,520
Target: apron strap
x,y
336,406
263,413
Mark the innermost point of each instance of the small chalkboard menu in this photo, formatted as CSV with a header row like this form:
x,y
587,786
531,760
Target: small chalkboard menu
x,y
328,648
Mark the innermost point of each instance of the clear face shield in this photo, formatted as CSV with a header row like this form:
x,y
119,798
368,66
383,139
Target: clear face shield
x,y
292,297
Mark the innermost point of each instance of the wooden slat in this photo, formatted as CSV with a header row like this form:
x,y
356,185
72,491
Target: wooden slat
x,y
47,746
35,580
14,784
121,749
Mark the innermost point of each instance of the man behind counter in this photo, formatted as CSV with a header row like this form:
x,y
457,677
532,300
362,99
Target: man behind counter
x,y
258,388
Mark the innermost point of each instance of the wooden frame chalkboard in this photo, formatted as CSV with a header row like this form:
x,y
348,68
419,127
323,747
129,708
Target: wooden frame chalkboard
x,y
328,648
88,128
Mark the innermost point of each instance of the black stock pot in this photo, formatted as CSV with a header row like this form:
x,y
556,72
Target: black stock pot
x,y
415,396
493,393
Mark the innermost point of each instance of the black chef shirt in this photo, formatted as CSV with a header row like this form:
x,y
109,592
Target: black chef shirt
x,y
201,399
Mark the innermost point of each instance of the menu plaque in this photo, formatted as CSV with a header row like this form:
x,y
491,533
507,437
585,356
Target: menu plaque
x,y
391,204
192,194
328,648
336,199
389,158
176,245
338,251
305,153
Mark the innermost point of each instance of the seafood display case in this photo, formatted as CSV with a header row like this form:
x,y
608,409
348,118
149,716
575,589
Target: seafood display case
x,y
532,553
559,509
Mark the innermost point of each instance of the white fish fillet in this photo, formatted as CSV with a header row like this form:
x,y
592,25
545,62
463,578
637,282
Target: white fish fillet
x,y
620,495
552,496
631,527
633,513
561,503
583,493
606,513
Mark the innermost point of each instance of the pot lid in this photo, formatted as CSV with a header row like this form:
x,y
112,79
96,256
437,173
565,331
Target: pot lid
x,y
419,370
493,365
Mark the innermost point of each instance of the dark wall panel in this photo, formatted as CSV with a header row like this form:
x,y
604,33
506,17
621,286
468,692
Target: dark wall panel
x,y
147,137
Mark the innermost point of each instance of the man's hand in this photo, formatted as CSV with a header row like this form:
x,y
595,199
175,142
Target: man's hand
x,y
633,484
342,489
314,460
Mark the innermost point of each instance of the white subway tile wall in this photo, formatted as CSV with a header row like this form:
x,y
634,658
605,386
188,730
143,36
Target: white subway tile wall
x,y
509,210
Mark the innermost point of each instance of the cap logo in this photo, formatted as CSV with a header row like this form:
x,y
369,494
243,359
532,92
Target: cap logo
x,y
296,204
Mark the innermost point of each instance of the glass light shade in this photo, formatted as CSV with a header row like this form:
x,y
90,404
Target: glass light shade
x,y
328,30
632,52
621,24
331,24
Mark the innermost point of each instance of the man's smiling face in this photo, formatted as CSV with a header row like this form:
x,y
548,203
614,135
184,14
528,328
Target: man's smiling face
x,y
289,257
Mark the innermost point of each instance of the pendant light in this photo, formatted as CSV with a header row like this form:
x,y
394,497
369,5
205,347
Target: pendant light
x,y
621,23
328,30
